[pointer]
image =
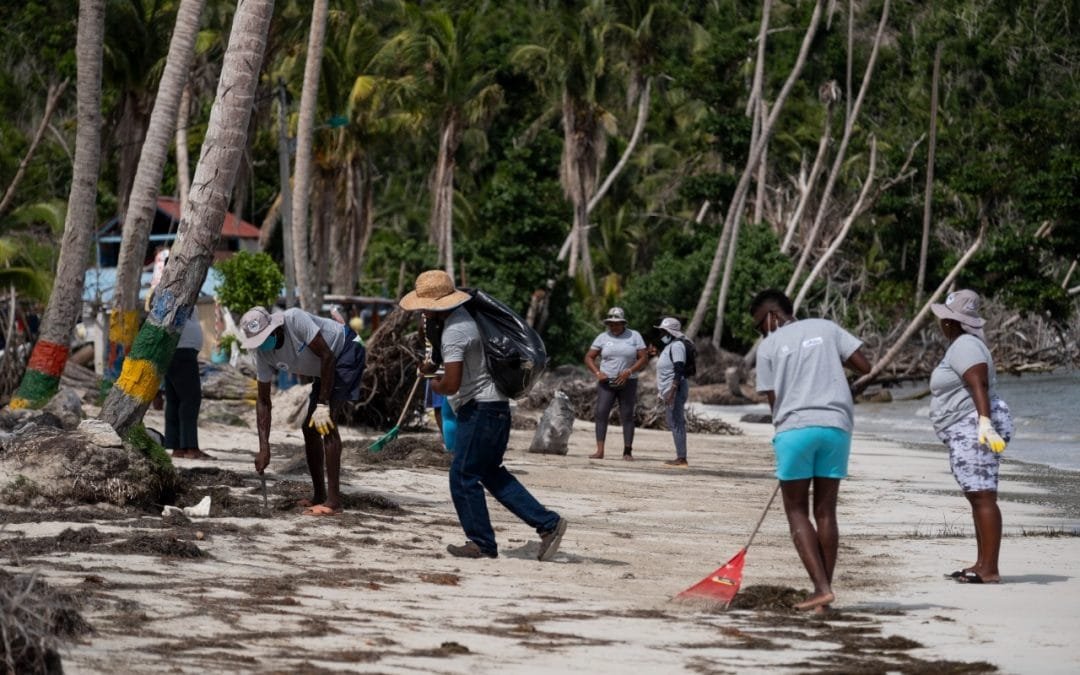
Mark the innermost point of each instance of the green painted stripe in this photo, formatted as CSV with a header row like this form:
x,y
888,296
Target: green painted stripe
x,y
35,390
155,344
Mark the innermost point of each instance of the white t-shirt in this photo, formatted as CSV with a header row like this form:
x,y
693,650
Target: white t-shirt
x,y
950,399
802,363
294,356
461,343
618,352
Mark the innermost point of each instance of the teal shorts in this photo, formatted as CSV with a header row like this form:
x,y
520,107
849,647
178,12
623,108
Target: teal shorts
x,y
812,452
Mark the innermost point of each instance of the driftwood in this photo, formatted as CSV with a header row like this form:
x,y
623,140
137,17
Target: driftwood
x,y
394,351
34,620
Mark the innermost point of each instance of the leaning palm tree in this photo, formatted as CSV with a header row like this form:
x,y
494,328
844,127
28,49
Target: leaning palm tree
x,y
123,319
42,377
200,224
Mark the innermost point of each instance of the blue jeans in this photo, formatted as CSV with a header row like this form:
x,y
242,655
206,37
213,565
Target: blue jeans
x,y
483,430
676,418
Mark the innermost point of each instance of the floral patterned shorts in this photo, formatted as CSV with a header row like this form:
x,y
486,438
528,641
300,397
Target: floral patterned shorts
x,y
975,466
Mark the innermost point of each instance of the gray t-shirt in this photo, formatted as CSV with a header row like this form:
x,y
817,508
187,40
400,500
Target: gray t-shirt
x,y
802,363
461,343
294,356
618,352
950,399
191,335
674,352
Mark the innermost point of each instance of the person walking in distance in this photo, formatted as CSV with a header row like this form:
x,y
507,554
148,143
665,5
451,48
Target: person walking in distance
x,y
800,369
483,424
672,385
621,353
300,343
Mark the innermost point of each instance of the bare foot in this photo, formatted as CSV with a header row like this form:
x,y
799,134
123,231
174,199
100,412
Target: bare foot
x,y
822,609
815,601
596,455
628,458
195,453
305,503
322,510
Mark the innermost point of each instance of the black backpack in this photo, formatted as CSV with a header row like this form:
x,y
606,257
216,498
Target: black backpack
x,y
690,367
514,351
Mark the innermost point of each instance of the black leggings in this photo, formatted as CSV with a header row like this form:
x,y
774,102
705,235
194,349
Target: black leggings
x,y
183,398
605,400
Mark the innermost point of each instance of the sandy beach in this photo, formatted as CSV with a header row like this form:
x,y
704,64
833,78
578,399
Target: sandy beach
x,y
373,590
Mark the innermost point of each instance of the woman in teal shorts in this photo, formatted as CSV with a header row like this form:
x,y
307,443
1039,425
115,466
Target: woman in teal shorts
x,y
800,369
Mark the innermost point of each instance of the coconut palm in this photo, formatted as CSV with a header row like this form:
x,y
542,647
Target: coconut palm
x,y
571,64
200,224
123,320
47,361
444,69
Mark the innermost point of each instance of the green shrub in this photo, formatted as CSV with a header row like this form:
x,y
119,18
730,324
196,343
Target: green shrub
x,y
247,280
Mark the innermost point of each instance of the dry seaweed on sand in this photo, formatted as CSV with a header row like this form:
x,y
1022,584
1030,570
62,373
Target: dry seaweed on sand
x,y
34,621
159,544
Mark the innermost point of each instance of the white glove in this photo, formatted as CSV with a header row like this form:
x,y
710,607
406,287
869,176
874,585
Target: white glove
x,y
989,436
320,419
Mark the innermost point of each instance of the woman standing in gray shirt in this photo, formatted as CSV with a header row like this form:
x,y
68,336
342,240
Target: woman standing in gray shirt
x,y
973,422
621,353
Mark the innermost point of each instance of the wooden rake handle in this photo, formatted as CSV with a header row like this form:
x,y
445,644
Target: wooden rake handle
x,y
408,401
763,514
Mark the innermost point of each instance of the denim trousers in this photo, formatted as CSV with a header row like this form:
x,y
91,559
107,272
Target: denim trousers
x,y
676,418
483,430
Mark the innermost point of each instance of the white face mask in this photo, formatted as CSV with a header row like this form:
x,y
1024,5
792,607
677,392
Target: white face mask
x,y
666,339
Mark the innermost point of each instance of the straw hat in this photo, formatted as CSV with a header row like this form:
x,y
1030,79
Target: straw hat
x,y
256,325
434,291
672,326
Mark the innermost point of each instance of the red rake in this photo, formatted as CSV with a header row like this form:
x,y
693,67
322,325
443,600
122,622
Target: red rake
x,y
723,584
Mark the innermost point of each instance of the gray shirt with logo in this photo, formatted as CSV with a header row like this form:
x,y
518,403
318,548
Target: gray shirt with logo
x,y
618,352
802,363
295,355
674,352
950,399
461,343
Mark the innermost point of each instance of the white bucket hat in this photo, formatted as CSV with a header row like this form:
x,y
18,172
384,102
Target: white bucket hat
x,y
672,326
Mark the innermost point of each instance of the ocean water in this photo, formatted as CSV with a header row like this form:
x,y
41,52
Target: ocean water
x,y
1045,408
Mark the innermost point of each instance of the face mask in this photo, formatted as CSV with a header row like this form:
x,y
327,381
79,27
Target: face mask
x,y
666,339
269,345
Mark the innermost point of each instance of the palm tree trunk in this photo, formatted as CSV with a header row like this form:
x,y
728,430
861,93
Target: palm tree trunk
x,y
442,203
735,207
305,133
47,361
183,162
139,218
200,226
924,245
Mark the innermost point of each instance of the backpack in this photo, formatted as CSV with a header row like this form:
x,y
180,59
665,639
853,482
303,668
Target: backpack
x,y
514,351
690,367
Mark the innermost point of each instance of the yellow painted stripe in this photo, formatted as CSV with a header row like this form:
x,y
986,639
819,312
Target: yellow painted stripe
x,y
19,403
123,326
139,379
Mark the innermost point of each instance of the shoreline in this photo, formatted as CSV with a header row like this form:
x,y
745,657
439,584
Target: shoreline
x,y
374,591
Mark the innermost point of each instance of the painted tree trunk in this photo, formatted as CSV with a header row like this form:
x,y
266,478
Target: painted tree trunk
x,y
47,361
183,162
304,150
200,225
139,218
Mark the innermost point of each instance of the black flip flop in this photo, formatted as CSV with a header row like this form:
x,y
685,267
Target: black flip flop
x,y
970,578
955,575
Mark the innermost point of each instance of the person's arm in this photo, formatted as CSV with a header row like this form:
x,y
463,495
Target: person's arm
x,y
262,423
859,363
592,365
320,417
977,382
639,364
449,382
771,395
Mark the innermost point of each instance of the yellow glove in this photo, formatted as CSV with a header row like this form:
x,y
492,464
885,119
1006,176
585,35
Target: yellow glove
x,y
989,436
320,419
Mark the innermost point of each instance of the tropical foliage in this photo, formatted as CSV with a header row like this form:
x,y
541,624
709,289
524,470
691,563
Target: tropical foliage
x,y
472,135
